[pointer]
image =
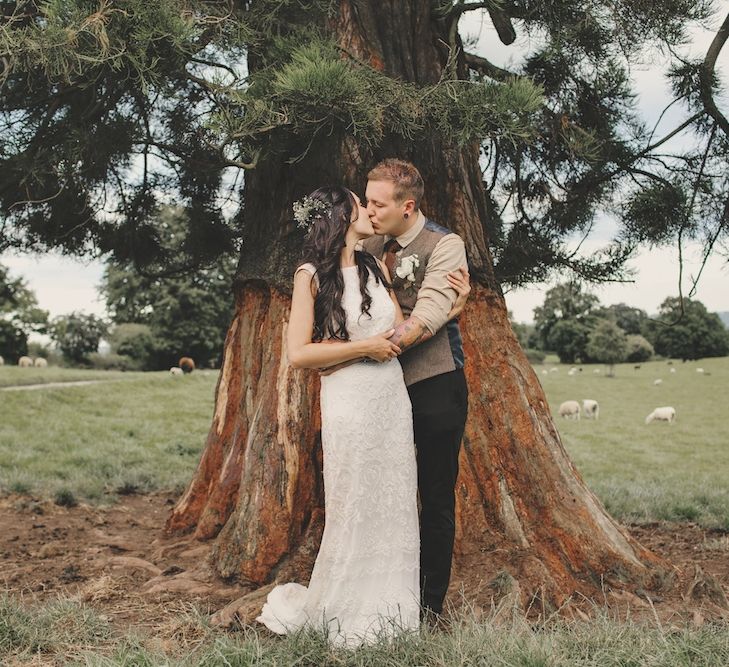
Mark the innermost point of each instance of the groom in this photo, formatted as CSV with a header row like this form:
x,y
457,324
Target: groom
x,y
419,254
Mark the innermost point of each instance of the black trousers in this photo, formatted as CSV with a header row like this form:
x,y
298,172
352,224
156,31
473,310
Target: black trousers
x,y
440,406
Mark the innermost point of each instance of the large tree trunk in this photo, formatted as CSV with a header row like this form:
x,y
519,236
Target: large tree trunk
x,y
522,508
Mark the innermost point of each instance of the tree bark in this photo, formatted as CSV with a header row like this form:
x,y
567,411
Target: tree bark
x,y
522,507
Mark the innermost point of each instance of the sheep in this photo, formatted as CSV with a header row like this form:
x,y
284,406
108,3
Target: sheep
x,y
2,361
545,371
673,370
572,371
699,370
664,414
570,409
596,371
176,370
657,382
590,408
40,362
186,364
25,362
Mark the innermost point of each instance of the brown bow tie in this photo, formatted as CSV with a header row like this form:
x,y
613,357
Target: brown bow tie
x,y
391,248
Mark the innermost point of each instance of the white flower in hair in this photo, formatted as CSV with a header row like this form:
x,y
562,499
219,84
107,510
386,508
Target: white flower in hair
x,y
307,209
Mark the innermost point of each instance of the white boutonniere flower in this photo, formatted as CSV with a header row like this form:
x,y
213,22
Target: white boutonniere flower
x,y
406,269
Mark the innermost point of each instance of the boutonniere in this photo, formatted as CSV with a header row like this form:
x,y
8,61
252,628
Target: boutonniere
x,y
406,269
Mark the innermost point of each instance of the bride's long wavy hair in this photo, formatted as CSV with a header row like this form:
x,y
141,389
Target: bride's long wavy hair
x,y
323,249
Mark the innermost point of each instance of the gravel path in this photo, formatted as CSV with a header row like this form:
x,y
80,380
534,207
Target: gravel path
x,y
53,385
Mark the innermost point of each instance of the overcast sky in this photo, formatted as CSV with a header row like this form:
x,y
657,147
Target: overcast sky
x,y
63,285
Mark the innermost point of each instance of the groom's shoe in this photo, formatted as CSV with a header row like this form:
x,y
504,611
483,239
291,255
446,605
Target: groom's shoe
x,y
433,620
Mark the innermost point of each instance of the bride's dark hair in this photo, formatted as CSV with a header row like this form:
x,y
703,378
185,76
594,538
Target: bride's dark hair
x,y
323,249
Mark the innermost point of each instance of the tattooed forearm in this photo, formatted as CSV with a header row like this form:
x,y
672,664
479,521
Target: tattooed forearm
x,y
410,333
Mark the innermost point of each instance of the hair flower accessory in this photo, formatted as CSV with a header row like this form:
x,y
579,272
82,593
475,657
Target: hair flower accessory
x,y
307,209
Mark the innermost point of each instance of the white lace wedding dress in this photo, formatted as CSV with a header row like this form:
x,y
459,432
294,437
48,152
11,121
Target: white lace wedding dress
x,y
365,581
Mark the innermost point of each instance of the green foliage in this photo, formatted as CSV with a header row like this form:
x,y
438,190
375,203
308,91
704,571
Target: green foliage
x,y
109,111
568,338
13,342
134,342
607,343
639,349
692,334
113,362
160,318
19,306
628,318
567,301
77,335
535,356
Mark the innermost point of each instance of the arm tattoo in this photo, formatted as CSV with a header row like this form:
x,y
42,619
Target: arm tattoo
x,y
410,333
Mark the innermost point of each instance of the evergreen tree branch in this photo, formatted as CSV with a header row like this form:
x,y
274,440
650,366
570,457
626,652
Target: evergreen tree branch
x,y
706,78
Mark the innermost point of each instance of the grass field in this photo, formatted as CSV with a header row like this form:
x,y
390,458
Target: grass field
x,y
145,432
141,432
656,471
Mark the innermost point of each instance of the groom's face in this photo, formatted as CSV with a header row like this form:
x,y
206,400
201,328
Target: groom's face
x,y
386,212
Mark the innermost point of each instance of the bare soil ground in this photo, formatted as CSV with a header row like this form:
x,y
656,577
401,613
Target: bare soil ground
x,y
117,559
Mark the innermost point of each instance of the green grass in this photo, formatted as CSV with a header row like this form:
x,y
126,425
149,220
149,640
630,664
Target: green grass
x,y
66,632
146,433
642,472
91,442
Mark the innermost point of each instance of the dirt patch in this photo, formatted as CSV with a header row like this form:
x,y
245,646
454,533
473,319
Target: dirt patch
x,y
112,557
117,559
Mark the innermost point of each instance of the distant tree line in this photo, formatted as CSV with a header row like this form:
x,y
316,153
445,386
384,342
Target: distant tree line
x,y
574,325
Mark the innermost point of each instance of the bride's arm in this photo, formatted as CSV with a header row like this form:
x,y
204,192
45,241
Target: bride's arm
x,y
302,353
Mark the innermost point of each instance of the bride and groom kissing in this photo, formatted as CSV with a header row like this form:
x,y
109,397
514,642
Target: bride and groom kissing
x,y
374,309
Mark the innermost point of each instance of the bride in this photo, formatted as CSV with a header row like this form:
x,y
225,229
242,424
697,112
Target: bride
x,y
365,581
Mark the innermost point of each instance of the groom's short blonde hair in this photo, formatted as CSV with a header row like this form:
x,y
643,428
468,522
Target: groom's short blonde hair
x,y
405,176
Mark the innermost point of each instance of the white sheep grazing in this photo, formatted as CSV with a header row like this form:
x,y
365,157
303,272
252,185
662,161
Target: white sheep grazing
x,y
572,371
545,372
664,414
175,370
40,362
570,409
596,371
2,361
658,381
554,369
673,370
25,362
699,370
590,408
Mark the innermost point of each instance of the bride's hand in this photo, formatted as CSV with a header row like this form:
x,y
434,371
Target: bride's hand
x,y
459,281
380,348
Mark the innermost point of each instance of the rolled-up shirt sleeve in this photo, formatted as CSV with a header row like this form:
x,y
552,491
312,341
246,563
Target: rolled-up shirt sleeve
x,y
435,296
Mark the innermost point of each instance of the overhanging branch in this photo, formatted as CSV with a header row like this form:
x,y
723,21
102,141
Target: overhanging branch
x,y
707,76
